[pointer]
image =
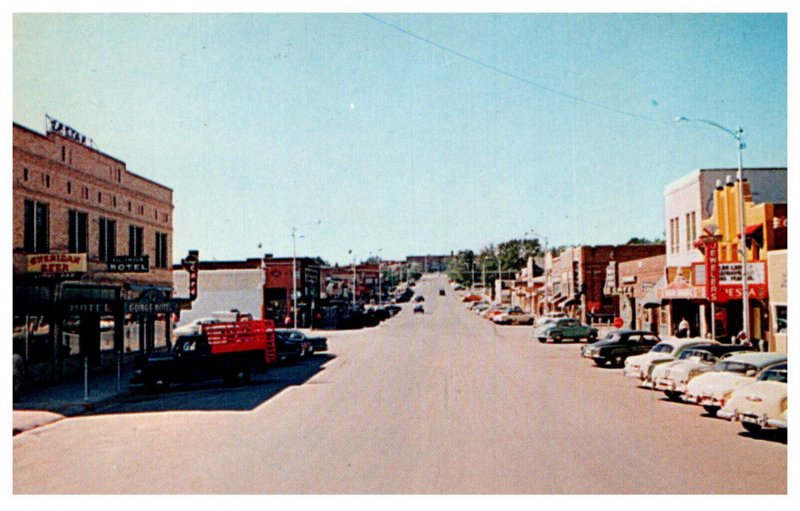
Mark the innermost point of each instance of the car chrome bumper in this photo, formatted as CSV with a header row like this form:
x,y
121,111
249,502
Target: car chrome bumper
x,y
632,372
777,423
664,384
731,415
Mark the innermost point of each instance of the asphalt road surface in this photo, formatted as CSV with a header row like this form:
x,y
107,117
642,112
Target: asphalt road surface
x,y
439,403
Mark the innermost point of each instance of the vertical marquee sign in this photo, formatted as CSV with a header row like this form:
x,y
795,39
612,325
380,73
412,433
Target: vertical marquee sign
x,y
712,268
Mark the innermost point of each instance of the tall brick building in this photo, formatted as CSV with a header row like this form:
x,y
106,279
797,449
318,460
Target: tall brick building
x,y
92,252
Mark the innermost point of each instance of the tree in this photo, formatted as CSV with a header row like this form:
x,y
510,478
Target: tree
x,y
644,241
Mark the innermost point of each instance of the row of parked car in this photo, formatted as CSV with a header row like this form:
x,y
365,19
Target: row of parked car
x,y
729,381
499,314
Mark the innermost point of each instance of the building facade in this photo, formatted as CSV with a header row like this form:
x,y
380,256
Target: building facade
x,y
92,252
689,206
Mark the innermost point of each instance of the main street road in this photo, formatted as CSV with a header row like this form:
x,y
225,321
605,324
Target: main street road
x,y
443,402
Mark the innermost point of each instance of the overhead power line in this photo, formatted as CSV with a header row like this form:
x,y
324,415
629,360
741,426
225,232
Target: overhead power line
x,y
514,76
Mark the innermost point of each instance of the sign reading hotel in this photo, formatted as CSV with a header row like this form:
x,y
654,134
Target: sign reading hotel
x,y
56,265
56,126
129,264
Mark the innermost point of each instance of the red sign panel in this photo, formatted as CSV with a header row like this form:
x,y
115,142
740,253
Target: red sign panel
x,y
712,270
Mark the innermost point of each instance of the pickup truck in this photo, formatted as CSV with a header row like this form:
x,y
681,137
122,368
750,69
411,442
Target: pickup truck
x,y
229,350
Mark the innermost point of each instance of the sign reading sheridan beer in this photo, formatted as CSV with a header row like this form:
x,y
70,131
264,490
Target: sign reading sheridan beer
x,y
56,265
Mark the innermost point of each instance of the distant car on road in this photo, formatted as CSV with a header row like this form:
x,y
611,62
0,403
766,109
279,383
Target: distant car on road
x,y
618,345
419,298
419,309
441,292
565,328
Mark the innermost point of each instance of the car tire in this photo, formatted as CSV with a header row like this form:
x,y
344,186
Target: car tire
x,y
750,427
600,362
618,361
591,338
711,409
672,395
542,339
557,338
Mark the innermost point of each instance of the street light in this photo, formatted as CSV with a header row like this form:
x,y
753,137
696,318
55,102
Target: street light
x,y
738,134
294,276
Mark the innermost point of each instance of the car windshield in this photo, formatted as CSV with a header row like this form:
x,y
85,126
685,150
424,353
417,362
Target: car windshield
x,y
662,347
780,375
696,354
728,366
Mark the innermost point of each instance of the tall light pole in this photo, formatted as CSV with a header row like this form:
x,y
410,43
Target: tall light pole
x,y
294,276
738,134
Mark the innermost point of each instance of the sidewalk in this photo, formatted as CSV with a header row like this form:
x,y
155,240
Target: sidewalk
x,y
48,403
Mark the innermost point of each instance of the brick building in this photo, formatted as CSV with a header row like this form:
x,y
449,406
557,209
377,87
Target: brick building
x,y
576,279
92,253
634,282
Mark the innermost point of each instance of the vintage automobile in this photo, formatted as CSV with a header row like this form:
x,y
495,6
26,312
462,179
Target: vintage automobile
x,y
672,377
712,389
639,366
565,328
314,343
513,316
618,345
762,403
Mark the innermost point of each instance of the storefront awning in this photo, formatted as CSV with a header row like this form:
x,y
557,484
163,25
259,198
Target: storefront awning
x,y
651,299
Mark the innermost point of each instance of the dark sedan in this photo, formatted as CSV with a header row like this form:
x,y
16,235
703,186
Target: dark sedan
x,y
291,347
619,345
316,343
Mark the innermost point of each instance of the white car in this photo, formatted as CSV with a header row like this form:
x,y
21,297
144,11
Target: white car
x,y
713,389
639,366
194,327
672,377
761,403
513,315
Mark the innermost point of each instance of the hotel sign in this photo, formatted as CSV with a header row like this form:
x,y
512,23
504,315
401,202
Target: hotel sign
x,y
129,264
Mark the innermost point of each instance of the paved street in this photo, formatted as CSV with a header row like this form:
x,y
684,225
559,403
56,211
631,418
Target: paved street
x,y
443,402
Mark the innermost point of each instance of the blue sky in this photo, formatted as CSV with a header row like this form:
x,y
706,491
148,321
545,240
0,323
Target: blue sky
x,y
412,133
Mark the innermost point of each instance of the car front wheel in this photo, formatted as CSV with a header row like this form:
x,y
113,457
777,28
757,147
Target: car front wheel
x,y
542,340
750,427
711,409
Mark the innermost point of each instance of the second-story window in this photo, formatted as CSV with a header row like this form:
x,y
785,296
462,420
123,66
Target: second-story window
x,y
78,231
107,247
135,240
37,227
161,250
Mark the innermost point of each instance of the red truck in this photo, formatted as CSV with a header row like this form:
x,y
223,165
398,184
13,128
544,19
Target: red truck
x,y
231,351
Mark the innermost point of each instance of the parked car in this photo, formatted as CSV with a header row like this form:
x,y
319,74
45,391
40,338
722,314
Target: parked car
x,y
472,298
618,345
419,309
291,348
441,292
316,343
672,377
548,317
565,328
419,298
513,316
393,309
762,403
712,389
640,366
194,327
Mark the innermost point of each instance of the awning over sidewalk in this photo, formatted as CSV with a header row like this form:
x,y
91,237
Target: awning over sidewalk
x,y
651,299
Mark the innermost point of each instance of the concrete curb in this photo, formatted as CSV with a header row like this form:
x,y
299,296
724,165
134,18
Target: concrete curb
x,y
26,420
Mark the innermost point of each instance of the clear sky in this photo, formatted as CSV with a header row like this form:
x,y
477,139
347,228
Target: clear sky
x,y
408,134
